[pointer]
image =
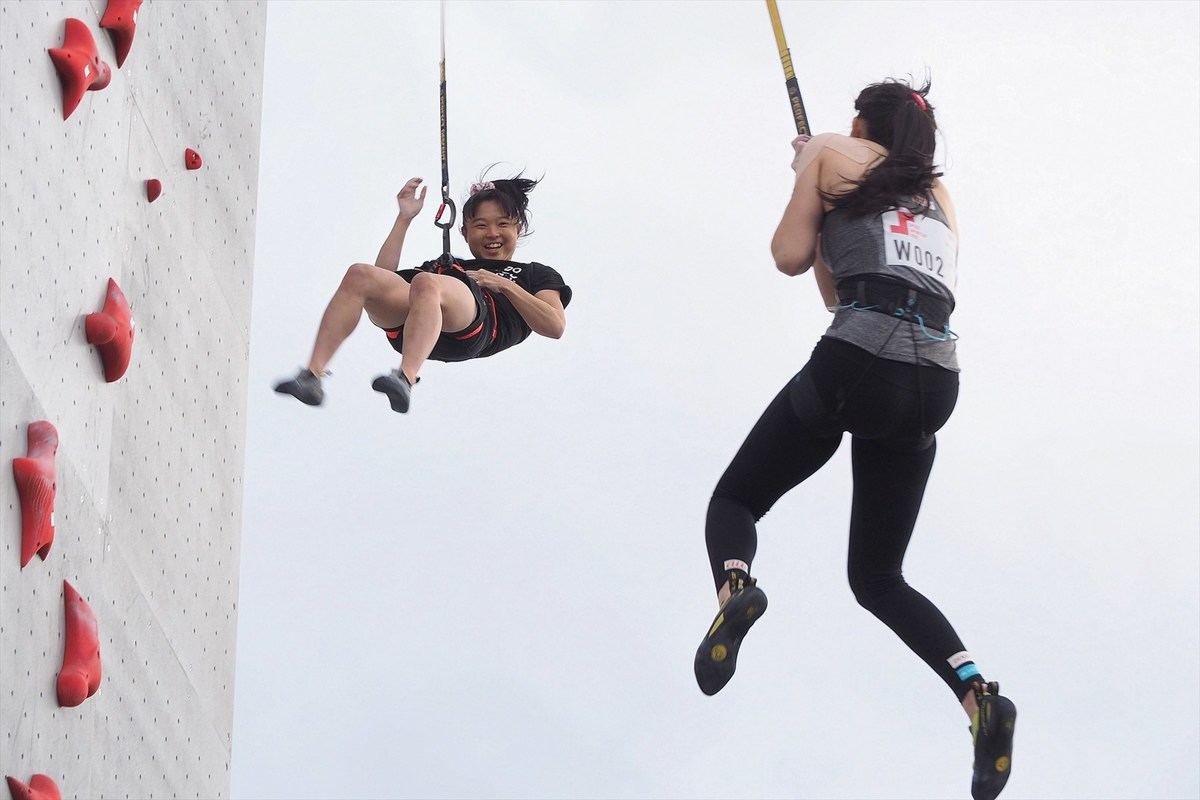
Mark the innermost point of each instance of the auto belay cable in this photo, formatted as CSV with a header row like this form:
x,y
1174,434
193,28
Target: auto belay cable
x,y
789,74
447,201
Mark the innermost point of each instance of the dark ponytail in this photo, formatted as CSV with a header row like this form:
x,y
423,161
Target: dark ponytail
x,y
512,194
901,119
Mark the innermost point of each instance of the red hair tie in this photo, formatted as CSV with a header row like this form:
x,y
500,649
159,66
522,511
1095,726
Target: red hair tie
x,y
920,101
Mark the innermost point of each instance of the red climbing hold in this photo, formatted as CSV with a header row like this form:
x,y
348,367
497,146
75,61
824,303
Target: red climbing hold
x,y
40,787
80,675
191,159
153,189
79,66
36,487
120,20
111,330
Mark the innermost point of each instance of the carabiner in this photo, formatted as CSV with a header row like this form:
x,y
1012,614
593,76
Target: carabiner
x,y
447,202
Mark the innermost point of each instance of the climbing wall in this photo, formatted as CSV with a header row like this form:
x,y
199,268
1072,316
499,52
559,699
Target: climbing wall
x,y
141,551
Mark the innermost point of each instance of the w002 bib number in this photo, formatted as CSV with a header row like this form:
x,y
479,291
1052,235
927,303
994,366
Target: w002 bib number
x,y
922,244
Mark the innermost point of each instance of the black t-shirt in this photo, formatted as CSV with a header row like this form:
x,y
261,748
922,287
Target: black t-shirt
x,y
533,277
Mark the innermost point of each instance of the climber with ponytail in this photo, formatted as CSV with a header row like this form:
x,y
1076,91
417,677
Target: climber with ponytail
x,y
870,216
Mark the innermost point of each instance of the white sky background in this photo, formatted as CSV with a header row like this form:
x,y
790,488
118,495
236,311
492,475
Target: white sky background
x,y
500,594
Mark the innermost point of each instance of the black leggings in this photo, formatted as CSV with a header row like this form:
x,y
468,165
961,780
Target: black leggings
x,y
892,409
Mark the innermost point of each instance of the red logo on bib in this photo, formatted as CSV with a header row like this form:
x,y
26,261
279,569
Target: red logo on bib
x,y
905,218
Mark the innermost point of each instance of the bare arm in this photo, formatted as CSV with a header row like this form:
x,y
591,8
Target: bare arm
x,y
410,201
543,312
389,253
795,242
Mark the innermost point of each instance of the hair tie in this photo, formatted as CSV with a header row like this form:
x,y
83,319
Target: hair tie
x,y
476,188
920,101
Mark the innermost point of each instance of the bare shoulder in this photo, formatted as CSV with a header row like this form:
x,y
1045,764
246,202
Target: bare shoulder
x,y
860,151
845,159
940,192
942,195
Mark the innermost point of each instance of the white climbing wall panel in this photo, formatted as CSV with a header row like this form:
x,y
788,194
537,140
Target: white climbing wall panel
x,y
148,515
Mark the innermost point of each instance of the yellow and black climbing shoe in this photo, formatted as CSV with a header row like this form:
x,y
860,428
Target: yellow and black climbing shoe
x,y
992,729
717,657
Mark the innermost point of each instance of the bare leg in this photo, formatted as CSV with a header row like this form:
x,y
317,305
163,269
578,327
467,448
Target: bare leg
x,y
437,303
382,292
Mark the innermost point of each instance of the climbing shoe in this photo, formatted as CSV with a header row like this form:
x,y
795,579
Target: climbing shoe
x,y
305,387
396,386
992,730
716,659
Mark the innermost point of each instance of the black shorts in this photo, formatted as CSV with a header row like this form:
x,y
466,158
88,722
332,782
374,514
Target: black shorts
x,y
472,340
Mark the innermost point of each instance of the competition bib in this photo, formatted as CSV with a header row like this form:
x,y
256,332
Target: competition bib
x,y
922,244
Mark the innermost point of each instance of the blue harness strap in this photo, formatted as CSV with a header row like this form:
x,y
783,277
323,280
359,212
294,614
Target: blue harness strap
x,y
899,301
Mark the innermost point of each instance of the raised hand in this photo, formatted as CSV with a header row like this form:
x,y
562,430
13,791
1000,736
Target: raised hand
x,y
798,145
410,200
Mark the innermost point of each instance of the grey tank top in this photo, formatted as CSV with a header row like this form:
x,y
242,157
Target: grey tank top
x,y
918,249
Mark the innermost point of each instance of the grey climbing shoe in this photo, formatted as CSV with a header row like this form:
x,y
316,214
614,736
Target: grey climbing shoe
x,y
305,387
397,388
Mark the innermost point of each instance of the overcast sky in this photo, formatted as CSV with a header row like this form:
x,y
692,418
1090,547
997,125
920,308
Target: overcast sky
x,y
500,594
